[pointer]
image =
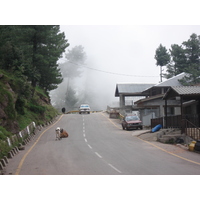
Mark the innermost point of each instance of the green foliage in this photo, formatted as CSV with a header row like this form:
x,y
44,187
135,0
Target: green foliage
x,y
162,56
178,62
4,149
28,69
33,50
37,109
4,133
7,98
185,58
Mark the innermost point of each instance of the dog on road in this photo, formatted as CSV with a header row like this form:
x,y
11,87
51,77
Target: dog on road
x,y
61,133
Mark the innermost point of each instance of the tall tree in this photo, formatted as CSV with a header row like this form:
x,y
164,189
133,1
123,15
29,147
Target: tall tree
x,y
46,46
186,58
192,49
75,58
34,49
162,57
178,63
70,69
10,52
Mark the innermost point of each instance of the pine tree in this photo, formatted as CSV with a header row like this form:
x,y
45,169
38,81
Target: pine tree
x,y
162,57
178,62
46,46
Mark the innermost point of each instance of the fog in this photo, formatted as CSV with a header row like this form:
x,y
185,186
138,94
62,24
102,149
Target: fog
x,y
117,54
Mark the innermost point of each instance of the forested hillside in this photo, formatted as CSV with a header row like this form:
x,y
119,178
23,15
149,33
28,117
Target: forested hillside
x,y
28,71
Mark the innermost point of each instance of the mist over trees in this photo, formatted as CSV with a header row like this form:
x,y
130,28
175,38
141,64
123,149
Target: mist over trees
x,y
183,58
68,94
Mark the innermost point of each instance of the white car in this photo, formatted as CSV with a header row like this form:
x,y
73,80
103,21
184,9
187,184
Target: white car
x,y
84,108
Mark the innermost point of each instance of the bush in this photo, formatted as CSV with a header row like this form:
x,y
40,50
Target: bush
x,y
37,109
4,133
4,149
20,104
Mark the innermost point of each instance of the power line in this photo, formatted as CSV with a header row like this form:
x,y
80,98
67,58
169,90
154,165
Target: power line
x,y
107,72
119,74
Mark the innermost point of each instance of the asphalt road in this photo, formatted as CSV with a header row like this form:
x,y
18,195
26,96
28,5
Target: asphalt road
x,y
95,146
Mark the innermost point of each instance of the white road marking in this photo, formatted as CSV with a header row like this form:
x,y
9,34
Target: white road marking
x,y
115,168
89,146
85,140
98,155
83,135
84,131
83,124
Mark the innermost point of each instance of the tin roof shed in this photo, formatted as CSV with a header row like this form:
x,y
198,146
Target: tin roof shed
x,y
187,92
131,89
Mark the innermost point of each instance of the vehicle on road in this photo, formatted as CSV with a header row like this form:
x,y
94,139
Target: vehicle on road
x,y
131,122
84,108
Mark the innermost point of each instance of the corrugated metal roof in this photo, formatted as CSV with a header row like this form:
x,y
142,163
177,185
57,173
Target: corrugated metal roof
x,y
187,90
174,81
131,88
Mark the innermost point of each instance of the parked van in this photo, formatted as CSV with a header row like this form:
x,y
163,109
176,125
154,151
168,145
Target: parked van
x,y
84,108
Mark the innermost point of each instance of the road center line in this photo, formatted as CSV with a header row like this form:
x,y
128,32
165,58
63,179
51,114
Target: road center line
x,y
98,155
89,146
83,135
115,168
85,140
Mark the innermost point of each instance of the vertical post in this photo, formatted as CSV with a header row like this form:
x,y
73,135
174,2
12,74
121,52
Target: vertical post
x,y
166,124
161,74
122,100
198,112
182,122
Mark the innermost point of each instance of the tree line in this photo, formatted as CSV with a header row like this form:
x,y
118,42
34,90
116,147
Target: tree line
x,y
181,58
32,51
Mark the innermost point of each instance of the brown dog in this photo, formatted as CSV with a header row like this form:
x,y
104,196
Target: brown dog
x,y
63,133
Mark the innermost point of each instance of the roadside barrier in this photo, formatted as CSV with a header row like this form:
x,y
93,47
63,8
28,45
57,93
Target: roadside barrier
x,y
77,111
17,142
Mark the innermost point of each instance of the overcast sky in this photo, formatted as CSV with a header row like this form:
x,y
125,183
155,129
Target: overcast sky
x,y
127,50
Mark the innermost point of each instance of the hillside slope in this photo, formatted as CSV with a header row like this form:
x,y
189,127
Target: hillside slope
x,y
20,104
